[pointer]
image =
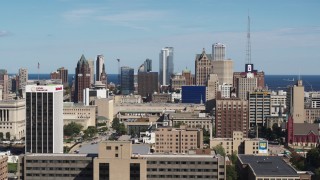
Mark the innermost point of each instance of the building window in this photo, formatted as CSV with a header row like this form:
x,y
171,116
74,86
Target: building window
x,y
116,155
108,147
134,171
104,171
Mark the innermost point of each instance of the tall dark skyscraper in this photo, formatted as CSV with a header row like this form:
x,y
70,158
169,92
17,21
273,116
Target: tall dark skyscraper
x,y
147,84
82,79
127,80
44,118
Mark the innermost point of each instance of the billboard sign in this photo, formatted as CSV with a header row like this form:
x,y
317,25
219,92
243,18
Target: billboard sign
x,y
263,147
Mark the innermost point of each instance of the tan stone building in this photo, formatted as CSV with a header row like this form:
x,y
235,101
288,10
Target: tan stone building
x,y
12,118
133,99
178,140
161,98
224,70
295,102
312,114
3,167
177,81
191,119
78,113
105,108
238,144
115,161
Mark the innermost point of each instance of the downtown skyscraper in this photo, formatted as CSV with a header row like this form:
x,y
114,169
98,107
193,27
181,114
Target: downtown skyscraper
x,y
100,70
166,67
82,79
44,118
127,80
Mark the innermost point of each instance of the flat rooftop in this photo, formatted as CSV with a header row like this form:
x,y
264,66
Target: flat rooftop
x,y
268,165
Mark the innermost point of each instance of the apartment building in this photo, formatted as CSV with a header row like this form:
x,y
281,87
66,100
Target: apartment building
x,y
178,140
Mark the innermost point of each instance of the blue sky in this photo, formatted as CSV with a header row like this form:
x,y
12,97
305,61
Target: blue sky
x,y
285,35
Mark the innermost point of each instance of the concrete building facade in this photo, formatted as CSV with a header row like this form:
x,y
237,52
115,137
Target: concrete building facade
x,y
295,102
259,108
23,78
44,119
147,84
80,114
178,140
13,118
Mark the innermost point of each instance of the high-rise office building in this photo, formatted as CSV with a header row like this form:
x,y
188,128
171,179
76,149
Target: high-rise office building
x,y
127,80
44,118
146,66
147,84
91,65
295,102
259,108
166,67
82,79
221,66
99,66
203,67
218,52
4,82
63,75
23,78
231,115
212,87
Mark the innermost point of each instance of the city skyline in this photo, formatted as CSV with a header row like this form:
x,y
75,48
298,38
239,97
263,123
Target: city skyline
x,y
60,31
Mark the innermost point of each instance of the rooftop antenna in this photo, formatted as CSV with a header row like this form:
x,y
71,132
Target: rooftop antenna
x,y
248,51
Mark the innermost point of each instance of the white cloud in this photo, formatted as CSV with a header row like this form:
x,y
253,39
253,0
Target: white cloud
x,y
4,33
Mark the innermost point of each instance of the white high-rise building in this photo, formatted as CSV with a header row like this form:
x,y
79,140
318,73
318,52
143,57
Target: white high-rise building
x,y
218,52
166,67
44,118
99,67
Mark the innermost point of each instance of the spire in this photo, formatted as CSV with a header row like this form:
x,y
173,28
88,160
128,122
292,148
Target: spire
x,y
248,51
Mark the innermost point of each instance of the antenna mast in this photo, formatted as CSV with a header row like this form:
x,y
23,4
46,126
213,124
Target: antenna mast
x,y
248,52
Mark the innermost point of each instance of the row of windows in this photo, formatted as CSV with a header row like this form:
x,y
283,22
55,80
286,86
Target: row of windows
x,y
180,170
59,175
58,161
56,168
183,176
182,162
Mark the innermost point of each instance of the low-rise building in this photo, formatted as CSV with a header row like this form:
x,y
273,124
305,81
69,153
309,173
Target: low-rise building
x,y
79,113
312,114
105,109
178,140
240,145
251,167
13,118
132,99
115,160
191,119
55,166
161,98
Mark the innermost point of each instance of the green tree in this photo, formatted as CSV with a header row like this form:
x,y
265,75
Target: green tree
x,y
233,157
90,132
72,129
8,135
316,174
219,150
313,159
115,123
231,172
122,129
1,135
